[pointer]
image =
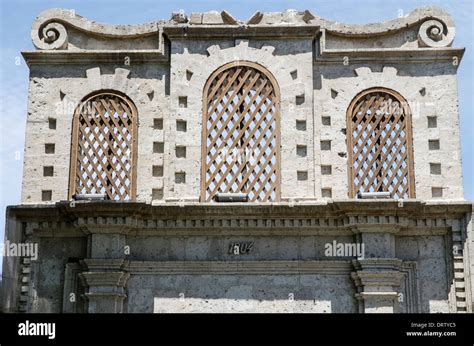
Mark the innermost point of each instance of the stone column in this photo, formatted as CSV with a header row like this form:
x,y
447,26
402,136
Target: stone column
x,y
106,276
377,274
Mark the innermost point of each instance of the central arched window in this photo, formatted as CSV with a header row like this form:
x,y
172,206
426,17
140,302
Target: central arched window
x,y
379,140
241,134
104,147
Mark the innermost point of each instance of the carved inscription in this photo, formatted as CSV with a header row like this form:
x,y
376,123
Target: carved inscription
x,y
241,248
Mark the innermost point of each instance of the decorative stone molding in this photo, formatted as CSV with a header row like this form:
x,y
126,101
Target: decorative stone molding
x,y
418,16
63,36
425,34
50,36
337,218
342,267
436,33
72,289
105,280
106,291
115,280
49,29
410,302
378,284
97,264
375,227
292,17
370,264
110,225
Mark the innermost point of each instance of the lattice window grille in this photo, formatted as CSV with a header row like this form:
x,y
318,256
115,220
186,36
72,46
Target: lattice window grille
x,y
241,134
380,144
104,148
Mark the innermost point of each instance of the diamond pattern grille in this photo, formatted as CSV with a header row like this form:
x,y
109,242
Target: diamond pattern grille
x,y
104,149
241,139
380,145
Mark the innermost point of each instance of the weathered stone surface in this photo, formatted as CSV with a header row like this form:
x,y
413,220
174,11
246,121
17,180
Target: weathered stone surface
x,y
176,258
166,251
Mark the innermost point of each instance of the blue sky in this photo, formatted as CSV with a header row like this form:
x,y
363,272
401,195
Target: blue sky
x,y
18,15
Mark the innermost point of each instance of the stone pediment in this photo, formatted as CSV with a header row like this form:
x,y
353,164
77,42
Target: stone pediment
x,y
59,29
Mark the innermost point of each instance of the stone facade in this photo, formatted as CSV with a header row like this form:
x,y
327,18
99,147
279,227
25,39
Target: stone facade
x,y
166,249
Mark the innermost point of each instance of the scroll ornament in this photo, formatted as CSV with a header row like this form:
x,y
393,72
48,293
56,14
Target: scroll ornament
x,y
52,35
434,33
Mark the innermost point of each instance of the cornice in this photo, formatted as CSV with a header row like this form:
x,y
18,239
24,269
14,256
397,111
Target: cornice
x,y
337,218
64,57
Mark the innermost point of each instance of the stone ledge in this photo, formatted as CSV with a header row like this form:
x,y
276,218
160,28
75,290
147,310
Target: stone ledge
x,y
349,206
392,55
338,218
342,267
96,56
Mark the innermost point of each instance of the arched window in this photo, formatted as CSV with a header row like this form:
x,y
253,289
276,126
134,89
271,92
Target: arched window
x,y
379,140
241,134
104,147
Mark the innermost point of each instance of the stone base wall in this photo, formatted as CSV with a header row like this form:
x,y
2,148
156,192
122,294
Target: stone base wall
x,y
242,258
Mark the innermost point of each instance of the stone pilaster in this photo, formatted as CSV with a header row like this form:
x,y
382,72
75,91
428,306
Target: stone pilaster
x,y
378,284
106,282
377,274
106,275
